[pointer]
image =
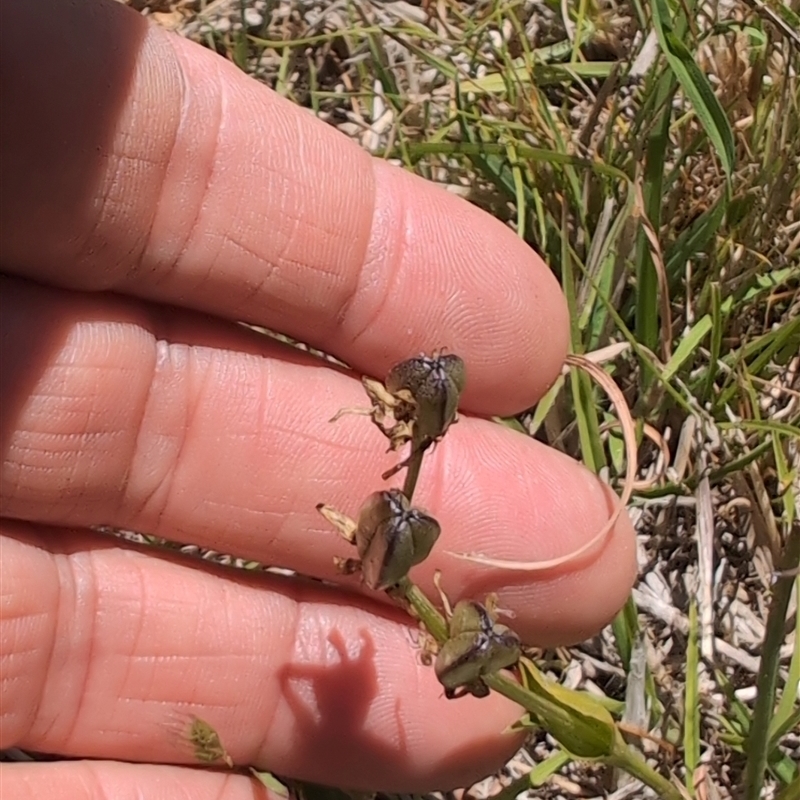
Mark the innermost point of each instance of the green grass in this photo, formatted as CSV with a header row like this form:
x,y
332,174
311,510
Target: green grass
x,y
668,204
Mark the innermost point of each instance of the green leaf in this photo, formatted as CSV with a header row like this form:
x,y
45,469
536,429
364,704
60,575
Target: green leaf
x,y
546,404
271,782
580,723
687,346
696,86
625,628
545,770
538,74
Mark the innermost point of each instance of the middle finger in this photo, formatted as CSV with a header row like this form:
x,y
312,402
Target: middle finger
x,y
156,420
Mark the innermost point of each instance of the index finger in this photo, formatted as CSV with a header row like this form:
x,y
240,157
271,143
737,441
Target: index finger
x,y
137,162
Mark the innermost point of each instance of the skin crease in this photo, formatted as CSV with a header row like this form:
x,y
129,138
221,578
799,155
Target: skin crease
x,y
151,196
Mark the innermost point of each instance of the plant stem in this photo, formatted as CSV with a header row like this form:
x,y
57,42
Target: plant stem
x,y
622,757
414,466
766,683
433,621
634,764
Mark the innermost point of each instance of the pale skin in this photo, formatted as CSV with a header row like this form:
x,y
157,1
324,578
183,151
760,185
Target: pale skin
x,y
152,195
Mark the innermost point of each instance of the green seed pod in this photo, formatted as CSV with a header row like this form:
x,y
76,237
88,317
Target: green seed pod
x,y
458,663
470,617
436,384
476,647
504,652
392,537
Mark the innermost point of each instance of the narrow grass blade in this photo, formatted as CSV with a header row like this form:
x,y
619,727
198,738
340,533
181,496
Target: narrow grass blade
x,y
687,347
545,404
696,86
539,75
538,776
647,318
790,792
694,240
758,739
625,629
542,773
717,330
691,711
787,715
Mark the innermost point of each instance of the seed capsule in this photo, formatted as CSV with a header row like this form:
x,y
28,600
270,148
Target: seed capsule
x,y
477,647
392,537
436,383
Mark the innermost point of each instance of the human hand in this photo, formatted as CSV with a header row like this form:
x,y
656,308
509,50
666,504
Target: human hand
x,y
151,196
